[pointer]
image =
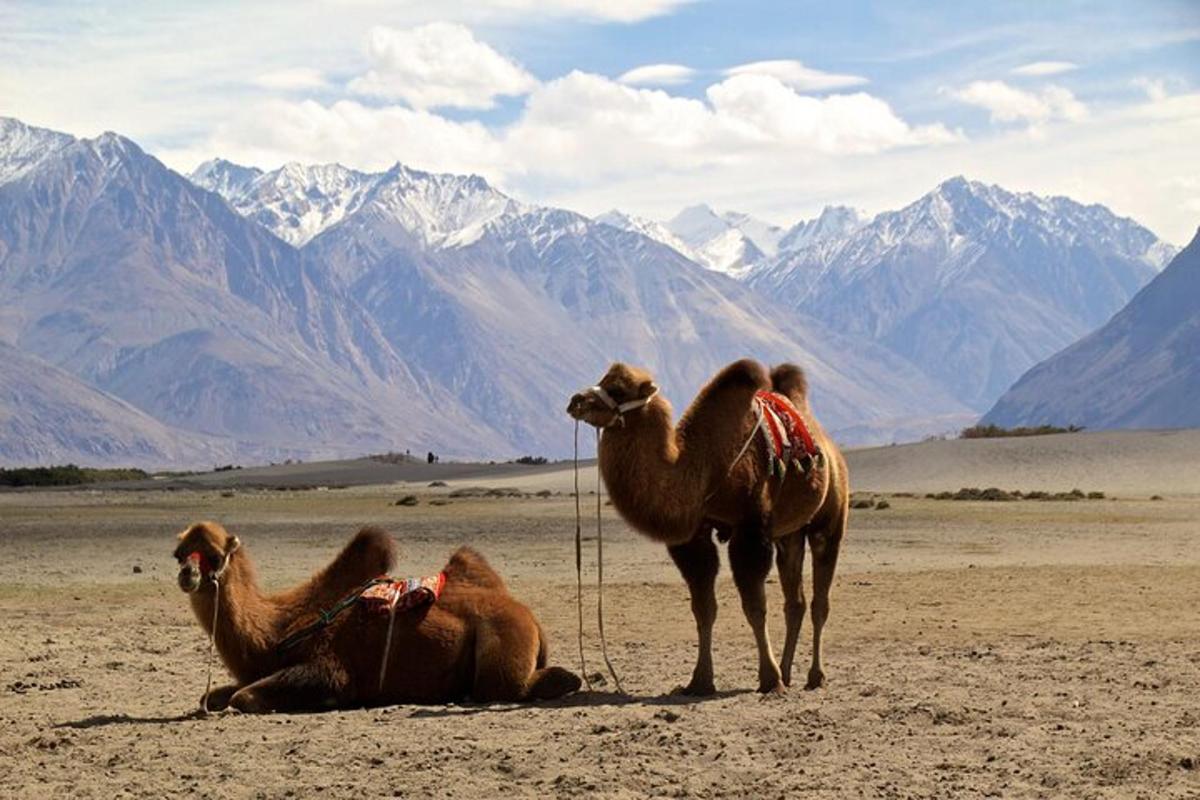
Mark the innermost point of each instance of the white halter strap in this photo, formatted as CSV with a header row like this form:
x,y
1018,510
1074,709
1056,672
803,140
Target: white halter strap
x,y
621,408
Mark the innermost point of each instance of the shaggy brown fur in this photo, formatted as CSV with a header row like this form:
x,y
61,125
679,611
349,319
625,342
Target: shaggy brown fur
x,y
677,484
476,641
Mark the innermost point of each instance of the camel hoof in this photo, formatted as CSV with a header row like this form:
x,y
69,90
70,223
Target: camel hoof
x,y
815,681
218,699
695,689
768,689
248,703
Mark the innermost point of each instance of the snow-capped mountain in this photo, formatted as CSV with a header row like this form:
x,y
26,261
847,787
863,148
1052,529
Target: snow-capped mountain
x,y
543,299
23,146
731,243
648,228
972,283
128,277
1140,370
427,311
833,224
298,202
434,312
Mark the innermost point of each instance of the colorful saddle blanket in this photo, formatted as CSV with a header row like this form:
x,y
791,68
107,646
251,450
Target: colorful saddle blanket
x,y
386,595
786,437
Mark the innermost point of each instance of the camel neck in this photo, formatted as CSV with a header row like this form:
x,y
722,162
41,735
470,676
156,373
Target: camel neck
x,y
654,480
246,630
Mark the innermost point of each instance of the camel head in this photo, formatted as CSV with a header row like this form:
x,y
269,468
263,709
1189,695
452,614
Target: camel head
x,y
622,389
203,554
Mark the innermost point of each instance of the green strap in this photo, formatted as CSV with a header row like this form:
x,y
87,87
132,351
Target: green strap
x,y
326,617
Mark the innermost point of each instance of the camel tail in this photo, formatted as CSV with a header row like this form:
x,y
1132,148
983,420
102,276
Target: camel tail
x,y
543,654
789,380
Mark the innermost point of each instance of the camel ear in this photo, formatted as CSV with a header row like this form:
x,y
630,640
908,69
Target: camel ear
x,y
233,544
647,388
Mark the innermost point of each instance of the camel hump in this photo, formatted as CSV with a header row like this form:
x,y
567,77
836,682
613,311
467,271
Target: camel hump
x,y
789,380
372,551
744,372
468,566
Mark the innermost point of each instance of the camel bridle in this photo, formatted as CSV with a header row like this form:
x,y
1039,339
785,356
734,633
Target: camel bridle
x,y
214,578
619,409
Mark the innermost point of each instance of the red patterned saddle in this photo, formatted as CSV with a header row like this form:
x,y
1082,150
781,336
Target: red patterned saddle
x,y
386,595
786,436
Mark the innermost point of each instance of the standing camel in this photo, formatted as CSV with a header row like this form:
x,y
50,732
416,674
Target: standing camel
x,y
678,483
475,640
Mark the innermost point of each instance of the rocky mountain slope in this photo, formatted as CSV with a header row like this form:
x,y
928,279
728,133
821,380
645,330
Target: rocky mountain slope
x,y
1140,370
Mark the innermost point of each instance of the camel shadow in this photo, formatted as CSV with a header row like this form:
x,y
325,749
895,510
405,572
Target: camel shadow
x,y
104,720
592,699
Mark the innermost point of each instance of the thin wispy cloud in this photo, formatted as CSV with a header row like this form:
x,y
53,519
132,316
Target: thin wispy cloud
x,y
658,75
295,79
1041,69
798,76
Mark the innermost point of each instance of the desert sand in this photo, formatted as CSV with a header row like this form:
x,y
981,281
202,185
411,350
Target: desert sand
x,y
1018,649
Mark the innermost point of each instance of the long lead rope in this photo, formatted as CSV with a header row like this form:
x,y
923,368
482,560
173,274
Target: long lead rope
x,y
212,642
600,576
579,562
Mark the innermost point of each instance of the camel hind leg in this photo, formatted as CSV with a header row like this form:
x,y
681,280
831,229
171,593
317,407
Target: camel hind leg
x,y
789,559
510,662
825,543
750,558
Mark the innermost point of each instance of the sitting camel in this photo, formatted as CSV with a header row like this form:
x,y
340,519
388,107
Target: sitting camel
x,y
677,484
474,641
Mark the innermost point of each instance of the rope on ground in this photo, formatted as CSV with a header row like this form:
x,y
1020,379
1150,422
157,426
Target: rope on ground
x,y
600,574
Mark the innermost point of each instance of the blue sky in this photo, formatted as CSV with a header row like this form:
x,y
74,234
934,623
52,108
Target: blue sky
x,y
774,108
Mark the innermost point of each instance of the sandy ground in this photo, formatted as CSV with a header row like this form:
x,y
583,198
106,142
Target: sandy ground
x,y
1029,649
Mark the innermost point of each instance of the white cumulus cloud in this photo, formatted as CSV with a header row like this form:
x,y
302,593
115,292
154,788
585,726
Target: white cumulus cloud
x,y
798,76
1007,103
441,64
1040,69
839,123
584,125
658,75
350,133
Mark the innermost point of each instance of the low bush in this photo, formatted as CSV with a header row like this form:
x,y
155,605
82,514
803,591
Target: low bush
x,y
996,432
66,475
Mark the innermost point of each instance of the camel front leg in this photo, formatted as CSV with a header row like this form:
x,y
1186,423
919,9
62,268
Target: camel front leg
x,y
304,687
789,559
699,562
825,544
218,698
750,558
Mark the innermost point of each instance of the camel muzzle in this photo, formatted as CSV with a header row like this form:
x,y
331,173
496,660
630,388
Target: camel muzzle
x,y
189,577
577,405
